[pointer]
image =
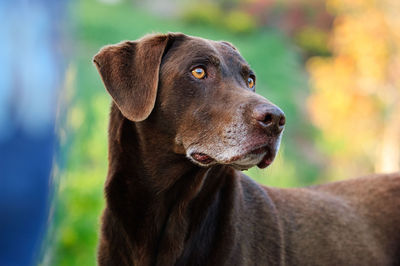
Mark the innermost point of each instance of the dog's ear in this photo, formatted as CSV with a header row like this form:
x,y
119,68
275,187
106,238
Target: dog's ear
x,y
130,71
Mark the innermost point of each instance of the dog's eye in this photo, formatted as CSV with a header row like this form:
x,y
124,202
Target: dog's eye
x,y
199,73
250,82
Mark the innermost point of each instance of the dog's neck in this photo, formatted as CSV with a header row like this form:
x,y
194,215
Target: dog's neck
x,y
143,198
143,151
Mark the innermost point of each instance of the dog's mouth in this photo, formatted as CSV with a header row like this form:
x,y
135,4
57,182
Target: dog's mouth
x,y
266,160
261,155
202,158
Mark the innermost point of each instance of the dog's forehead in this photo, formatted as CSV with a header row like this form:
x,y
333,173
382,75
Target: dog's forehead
x,y
195,47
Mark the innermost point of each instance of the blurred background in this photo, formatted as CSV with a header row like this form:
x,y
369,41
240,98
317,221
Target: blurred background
x,y
333,66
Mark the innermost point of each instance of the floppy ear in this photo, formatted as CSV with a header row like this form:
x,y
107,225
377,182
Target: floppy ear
x,y
130,71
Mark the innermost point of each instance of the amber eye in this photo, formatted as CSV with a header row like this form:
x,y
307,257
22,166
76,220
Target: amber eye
x,y
250,82
199,73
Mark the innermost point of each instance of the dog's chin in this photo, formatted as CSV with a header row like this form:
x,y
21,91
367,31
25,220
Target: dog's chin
x,y
261,157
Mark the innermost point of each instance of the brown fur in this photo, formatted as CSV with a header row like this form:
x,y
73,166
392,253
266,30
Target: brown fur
x,y
164,208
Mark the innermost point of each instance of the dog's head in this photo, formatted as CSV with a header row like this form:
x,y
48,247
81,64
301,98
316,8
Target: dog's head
x,y
199,93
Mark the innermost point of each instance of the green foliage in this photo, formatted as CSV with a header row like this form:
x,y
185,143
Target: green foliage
x,y
206,13
80,192
239,22
210,14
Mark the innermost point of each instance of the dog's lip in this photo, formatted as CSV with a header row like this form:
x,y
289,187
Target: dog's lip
x,y
264,150
259,150
202,158
267,152
266,160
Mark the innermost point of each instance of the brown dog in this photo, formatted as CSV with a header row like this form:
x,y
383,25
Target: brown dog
x,y
184,119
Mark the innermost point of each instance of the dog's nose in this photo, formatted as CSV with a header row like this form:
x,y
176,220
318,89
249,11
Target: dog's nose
x,y
269,117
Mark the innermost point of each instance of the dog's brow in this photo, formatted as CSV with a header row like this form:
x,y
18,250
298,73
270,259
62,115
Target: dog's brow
x,y
246,70
212,59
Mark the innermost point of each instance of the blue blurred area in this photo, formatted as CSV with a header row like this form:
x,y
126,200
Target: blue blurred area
x,y
31,72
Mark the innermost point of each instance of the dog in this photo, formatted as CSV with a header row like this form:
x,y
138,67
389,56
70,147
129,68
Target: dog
x,y
185,119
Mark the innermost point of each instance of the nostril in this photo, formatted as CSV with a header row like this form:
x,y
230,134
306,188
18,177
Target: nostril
x,y
268,119
282,121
